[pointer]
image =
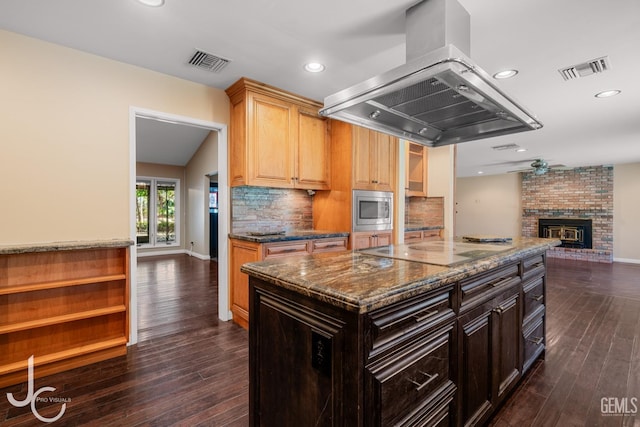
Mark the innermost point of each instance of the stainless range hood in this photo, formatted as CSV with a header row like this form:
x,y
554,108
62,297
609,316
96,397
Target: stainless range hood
x,y
439,96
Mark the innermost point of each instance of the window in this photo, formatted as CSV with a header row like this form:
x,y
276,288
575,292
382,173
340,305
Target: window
x,y
157,208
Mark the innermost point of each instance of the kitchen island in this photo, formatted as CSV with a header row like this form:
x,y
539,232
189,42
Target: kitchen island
x,y
361,339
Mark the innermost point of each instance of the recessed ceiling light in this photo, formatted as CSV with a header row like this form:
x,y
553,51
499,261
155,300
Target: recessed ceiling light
x,y
505,74
314,67
152,3
521,150
607,93
480,172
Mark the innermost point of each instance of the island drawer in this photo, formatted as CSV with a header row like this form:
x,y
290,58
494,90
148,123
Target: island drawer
x,y
399,384
533,296
272,250
403,321
533,266
476,289
533,335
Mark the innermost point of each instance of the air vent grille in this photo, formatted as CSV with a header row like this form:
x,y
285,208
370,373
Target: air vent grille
x,y
595,66
506,147
213,63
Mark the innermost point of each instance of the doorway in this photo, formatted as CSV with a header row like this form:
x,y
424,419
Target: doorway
x,y
136,113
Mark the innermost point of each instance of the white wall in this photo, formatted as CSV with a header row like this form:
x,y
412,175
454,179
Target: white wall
x,y
626,212
489,205
64,163
492,205
204,161
441,182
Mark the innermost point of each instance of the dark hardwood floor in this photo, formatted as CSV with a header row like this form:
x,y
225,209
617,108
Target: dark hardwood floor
x,y
189,369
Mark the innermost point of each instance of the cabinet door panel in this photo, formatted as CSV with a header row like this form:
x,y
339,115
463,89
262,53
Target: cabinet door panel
x,y
506,338
270,143
313,153
297,368
361,240
241,253
385,159
363,152
476,372
383,239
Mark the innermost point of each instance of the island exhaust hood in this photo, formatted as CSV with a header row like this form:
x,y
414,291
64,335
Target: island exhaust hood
x,y
439,96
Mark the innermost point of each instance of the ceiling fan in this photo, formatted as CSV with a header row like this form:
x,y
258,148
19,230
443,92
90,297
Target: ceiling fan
x,y
539,167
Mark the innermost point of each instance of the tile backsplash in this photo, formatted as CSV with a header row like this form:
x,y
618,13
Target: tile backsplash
x,y
270,209
427,211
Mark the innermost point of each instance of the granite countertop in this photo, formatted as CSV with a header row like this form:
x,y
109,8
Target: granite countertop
x,y
421,227
288,235
63,246
359,282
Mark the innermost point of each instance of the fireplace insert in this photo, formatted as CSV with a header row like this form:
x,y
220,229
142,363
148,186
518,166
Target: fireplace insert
x,y
574,233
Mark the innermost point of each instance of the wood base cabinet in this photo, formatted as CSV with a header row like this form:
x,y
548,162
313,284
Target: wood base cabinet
x,y
242,252
67,308
364,240
447,357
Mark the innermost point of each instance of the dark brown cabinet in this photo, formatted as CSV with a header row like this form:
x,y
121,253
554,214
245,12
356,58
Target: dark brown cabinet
x,y
491,323
447,357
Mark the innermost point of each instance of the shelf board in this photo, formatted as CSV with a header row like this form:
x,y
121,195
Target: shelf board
x,y
60,284
21,326
63,355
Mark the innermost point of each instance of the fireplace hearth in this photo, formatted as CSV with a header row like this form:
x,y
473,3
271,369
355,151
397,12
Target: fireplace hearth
x,y
574,233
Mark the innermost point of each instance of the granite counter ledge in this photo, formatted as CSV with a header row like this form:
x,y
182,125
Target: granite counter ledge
x,y
421,227
64,246
361,283
288,236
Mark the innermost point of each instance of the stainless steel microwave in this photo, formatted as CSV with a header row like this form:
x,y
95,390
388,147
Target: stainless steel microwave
x,y
372,210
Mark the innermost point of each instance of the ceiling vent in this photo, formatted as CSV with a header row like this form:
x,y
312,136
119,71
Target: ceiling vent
x,y
599,65
208,61
506,147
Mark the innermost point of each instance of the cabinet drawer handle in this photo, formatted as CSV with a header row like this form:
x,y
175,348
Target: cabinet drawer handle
x,y
536,341
430,378
288,250
419,318
537,297
496,282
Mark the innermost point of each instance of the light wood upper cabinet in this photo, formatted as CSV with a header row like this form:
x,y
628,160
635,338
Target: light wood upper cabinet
x,y
416,176
270,142
374,160
312,164
276,139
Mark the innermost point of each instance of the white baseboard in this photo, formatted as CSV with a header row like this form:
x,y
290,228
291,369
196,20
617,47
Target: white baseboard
x,y
165,252
627,260
174,252
199,256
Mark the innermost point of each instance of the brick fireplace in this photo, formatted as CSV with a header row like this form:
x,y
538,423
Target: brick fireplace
x,y
579,194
